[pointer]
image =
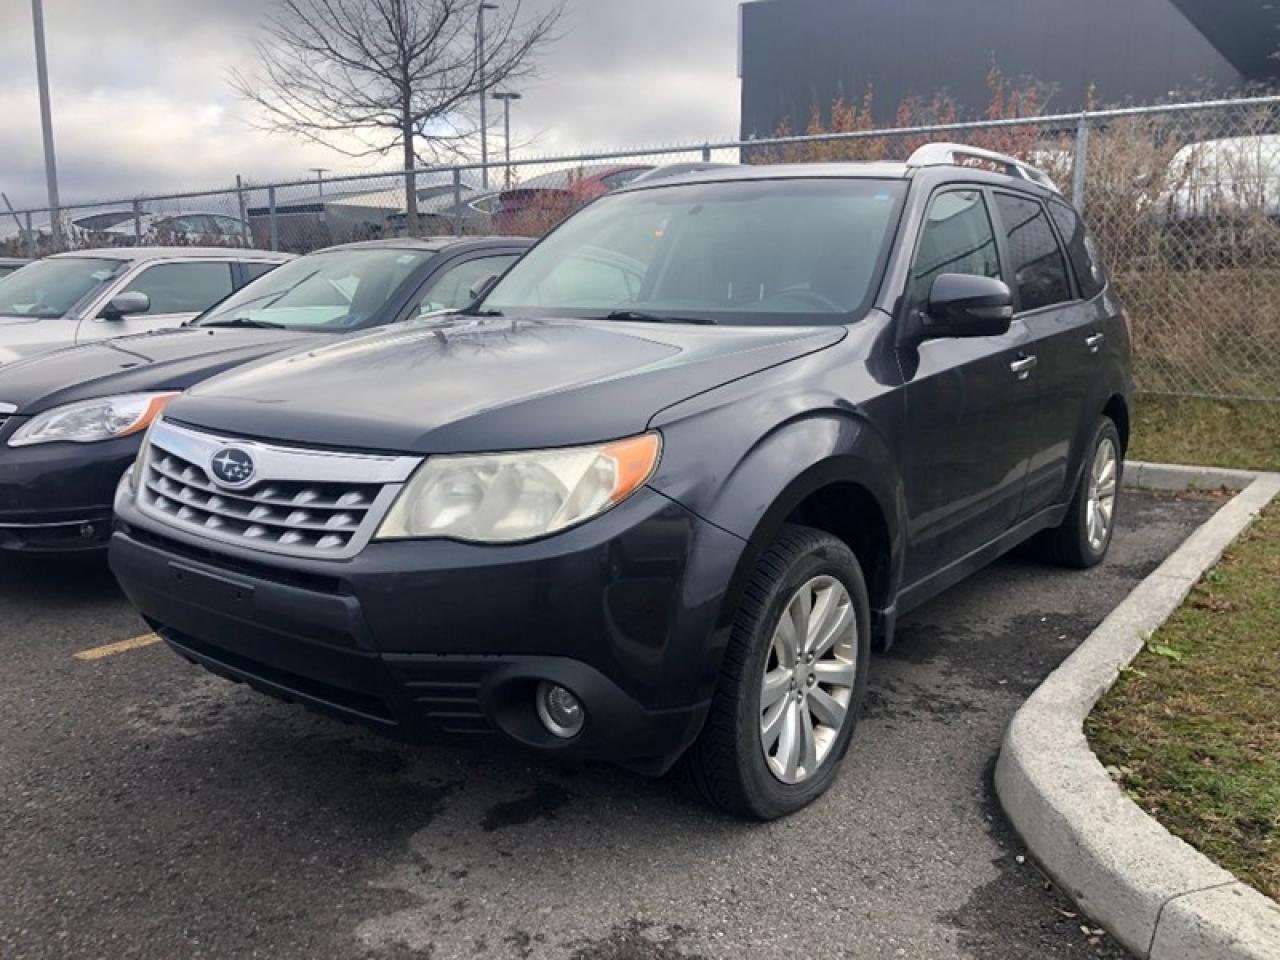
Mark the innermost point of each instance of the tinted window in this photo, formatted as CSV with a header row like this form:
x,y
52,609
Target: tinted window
x,y
1039,269
49,288
753,252
183,287
956,238
253,269
1081,250
337,289
451,290
190,224
620,179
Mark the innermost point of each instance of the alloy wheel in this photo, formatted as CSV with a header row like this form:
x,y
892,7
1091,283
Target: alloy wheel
x,y
808,680
1102,494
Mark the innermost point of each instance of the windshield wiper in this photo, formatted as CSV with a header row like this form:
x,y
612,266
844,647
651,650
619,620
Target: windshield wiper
x,y
244,322
641,316
481,313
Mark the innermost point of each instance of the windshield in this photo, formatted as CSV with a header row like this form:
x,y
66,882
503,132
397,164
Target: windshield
x,y
50,288
334,290
746,252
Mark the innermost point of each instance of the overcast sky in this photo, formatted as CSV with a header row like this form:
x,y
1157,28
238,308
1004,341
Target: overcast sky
x,y
141,103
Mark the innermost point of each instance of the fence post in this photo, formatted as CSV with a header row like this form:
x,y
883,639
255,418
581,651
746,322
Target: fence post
x,y
706,154
457,202
271,217
31,239
1081,162
137,221
244,213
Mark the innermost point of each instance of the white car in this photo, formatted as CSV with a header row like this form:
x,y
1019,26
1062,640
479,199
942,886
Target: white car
x,y
96,294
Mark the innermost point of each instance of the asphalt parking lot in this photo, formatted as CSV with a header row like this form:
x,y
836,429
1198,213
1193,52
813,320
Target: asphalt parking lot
x,y
150,810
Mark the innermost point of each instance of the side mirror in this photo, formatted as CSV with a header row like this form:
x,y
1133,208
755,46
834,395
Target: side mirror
x,y
963,305
124,304
481,289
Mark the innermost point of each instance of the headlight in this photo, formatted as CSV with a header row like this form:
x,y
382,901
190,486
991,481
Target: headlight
x,y
505,497
92,420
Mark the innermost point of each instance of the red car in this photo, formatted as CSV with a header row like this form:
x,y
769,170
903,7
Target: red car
x,y
536,205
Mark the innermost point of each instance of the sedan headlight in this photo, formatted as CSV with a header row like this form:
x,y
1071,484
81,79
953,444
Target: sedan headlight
x,y
506,497
91,420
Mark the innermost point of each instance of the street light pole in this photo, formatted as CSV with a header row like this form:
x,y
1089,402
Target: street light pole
x,y
46,125
484,120
506,97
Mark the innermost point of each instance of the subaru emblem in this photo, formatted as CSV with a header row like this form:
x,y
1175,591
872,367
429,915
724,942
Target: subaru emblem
x,y
232,467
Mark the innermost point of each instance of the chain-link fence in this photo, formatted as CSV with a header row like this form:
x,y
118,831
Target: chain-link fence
x,y
1184,202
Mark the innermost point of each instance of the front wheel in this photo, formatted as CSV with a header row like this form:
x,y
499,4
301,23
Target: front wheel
x,y
793,681
1085,534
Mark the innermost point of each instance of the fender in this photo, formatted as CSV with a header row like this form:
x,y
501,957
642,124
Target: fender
x,y
800,440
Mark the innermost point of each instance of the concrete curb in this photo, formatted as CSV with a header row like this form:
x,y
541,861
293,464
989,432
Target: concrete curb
x,y
1157,895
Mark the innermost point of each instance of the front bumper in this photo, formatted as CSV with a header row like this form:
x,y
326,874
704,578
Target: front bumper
x,y
57,497
420,638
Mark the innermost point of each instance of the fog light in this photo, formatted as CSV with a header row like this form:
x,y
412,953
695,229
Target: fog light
x,y
559,710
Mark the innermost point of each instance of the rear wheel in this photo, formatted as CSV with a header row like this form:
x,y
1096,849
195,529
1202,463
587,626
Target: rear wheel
x,y
794,677
1085,534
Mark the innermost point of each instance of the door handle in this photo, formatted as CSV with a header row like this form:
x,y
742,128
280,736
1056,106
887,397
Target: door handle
x,y
1094,342
1023,366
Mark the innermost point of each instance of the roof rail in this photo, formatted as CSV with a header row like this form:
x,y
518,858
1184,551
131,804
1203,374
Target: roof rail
x,y
947,154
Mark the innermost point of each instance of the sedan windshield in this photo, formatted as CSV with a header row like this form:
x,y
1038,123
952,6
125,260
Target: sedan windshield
x,y
746,252
332,290
50,288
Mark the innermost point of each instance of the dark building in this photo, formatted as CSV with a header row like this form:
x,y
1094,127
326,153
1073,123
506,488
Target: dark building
x,y
795,54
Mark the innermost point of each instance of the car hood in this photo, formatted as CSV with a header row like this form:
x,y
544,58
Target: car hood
x,y
470,385
164,360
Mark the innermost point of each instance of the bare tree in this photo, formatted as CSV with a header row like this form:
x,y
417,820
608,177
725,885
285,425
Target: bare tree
x,y
365,77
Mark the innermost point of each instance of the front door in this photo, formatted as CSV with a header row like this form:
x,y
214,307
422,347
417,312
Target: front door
x,y
178,291
971,403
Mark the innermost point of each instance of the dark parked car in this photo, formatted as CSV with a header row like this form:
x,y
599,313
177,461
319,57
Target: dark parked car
x,y
96,294
71,421
543,201
656,495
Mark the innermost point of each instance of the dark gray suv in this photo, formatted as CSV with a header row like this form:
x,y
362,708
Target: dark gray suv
x,y
655,496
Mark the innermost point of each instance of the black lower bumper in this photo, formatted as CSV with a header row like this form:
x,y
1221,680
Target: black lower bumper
x,y
56,497
415,652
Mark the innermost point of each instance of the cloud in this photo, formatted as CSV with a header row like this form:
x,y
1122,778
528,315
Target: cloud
x,y
141,102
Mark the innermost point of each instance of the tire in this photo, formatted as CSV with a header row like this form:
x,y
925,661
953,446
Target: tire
x,y
728,764
1073,544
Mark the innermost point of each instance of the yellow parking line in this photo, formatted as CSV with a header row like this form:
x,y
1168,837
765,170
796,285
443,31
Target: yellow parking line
x,y
97,653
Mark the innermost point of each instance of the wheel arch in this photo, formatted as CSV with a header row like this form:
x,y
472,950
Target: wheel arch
x,y
846,496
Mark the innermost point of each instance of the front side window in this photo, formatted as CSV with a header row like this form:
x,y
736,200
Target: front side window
x,y
1080,248
334,290
746,252
49,288
956,238
451,290
183,287
1039,268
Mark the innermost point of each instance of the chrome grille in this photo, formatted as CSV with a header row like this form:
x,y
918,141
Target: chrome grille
x,y
6,411
300,502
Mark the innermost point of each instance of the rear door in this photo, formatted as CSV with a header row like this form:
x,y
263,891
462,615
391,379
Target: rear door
x,y
1058,322
178,290
971,402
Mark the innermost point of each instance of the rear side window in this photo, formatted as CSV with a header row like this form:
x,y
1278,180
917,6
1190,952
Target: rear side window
x,y
1039,268
183,287
956,238
253,269
1080,248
